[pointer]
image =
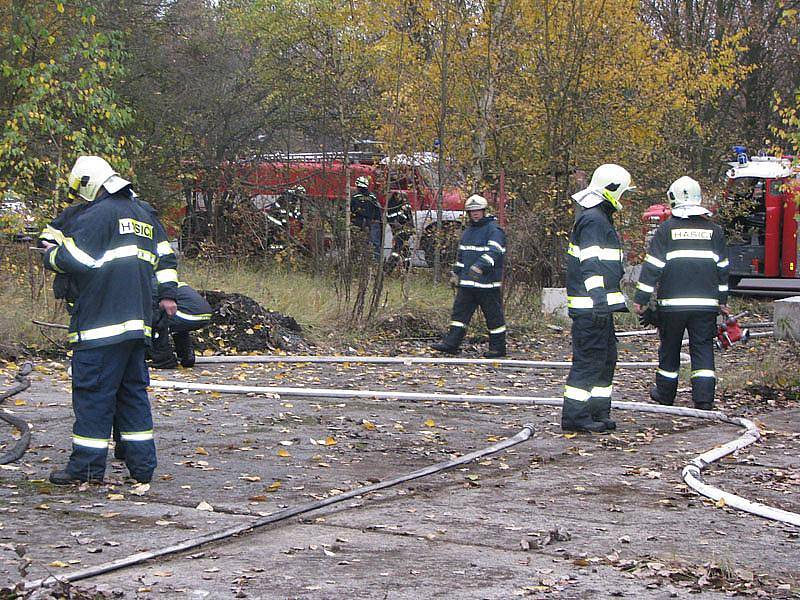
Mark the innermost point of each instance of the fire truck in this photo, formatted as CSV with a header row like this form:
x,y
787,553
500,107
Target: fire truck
x,y
273,181
760,217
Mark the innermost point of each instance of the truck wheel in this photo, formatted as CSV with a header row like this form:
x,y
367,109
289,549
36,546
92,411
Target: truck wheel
x,y
448,246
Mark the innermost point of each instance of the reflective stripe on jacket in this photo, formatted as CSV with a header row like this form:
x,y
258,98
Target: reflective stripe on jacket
x,y
688,262
482,244
594,264
111,249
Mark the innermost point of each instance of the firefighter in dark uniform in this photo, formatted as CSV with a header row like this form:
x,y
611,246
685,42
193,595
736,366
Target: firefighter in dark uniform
x,y
478,276
401,220
686,267
594,271
366,214
193,313
111,248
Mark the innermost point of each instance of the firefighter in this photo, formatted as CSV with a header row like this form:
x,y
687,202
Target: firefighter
x,y
478,275
686,268
366,213
594,271
193,313
401,220
114,247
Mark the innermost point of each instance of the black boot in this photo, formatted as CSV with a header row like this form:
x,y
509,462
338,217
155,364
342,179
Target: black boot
x,y
600,409
184,348
161,354
497,345
575,416
63,477
445,347
655,396
494,353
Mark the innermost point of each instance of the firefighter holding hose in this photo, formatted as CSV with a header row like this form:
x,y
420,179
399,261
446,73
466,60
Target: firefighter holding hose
x,y
594,272
686,267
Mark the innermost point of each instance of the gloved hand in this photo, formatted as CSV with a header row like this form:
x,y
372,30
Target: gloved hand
x,y
601,315
454,279
475,273
649,316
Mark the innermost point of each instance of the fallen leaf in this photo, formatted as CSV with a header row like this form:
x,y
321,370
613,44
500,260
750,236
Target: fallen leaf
x,y
283,452
205,506
201,451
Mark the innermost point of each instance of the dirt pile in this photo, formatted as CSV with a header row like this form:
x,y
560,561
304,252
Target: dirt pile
x,y
240,324
409,326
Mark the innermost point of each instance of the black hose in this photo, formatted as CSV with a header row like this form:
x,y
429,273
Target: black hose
x,y
524,434
23,383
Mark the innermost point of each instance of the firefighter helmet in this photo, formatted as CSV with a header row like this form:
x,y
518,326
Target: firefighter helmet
x,y
609,182
299,190
475,202
685,198
362,182
89,174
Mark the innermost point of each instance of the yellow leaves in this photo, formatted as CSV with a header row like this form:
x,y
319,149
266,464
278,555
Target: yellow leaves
x,y
368,425
721,503
329,441
201,451
60,7
283,453
429,423
273,487
204,506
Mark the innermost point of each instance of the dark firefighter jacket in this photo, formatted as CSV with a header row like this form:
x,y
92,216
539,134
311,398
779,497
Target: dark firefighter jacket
x,y
482,244
365,209
111,249
594,264
398,211
688,262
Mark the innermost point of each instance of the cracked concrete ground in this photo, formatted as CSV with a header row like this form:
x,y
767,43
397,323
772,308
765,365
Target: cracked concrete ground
x,y
555,517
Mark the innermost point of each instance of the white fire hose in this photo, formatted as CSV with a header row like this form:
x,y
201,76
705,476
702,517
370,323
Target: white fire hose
x,y
691,473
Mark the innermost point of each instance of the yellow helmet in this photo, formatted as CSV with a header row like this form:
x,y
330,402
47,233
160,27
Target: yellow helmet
x,y
89,174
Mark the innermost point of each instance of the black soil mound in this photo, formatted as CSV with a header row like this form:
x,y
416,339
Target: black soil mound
x,y
240,325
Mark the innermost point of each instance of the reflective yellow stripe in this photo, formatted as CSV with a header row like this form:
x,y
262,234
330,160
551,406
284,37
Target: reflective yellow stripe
x,y
654,261
164,248
668,374
137,436
475,248
602,392
456,324
126,252
498,246
692,254
722,288
110,331
574,250
53,261
488,259
615,298
595,281
167,275
645,288
703,373
77,253
470,283
723,263
574,393
87,442
579,302
689,302
500,329
188,317
51,233
601,253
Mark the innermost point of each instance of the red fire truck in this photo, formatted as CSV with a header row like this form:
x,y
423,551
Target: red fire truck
x,y
760,219
269,180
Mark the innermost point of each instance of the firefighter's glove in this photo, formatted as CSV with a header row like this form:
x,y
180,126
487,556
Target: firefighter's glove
x,y
475,273
601,315
649,317
454,280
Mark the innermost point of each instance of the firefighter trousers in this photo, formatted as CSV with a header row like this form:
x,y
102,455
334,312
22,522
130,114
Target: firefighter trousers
x,y
109,384
491,303
590,381
702,329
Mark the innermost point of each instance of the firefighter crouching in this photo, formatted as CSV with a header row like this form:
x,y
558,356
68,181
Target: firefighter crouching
x,y
193,314
686,267
401,220
594,271
478,276
113,247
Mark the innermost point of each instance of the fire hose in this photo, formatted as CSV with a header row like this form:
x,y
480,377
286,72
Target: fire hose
x,y
524,434
19,448
691,473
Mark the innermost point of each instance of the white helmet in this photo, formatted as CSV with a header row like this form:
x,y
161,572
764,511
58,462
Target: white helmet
x,y
362,181
609,182
685,197
475,202
89,174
